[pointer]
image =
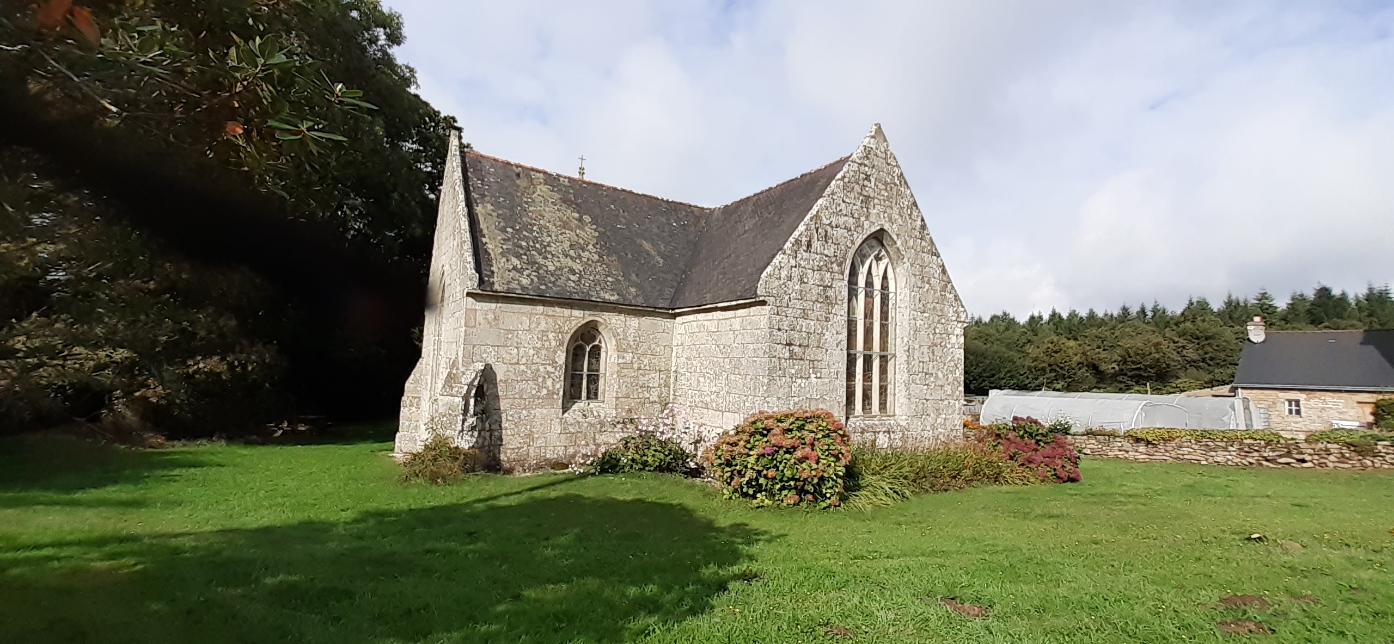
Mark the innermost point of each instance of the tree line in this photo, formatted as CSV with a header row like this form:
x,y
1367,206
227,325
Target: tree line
x,y
213,214
1149,348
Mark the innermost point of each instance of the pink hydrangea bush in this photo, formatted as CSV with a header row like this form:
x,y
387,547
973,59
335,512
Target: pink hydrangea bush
x,y
796,457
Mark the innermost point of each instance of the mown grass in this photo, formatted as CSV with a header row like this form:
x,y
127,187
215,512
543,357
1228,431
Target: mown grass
x,y
321,543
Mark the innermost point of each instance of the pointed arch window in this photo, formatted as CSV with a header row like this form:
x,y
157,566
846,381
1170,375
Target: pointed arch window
x,y
871,332
584,365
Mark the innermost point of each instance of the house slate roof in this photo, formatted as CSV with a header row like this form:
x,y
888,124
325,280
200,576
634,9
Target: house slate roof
x,y
1341,360
545,234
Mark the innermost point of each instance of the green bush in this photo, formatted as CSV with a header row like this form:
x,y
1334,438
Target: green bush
x,y
1384,413
643,452
1152,436
440,462
1360,441
881,477
1029,428
788,457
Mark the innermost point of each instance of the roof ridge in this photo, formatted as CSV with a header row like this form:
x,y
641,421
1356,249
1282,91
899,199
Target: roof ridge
x,y
757,193
706,223
572,178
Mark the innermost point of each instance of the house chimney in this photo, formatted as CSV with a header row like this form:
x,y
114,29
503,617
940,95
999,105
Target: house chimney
x,y
1256,330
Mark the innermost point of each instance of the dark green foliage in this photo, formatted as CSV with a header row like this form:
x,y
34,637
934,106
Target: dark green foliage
x,y
989,366
1153,436
1032,429
110,312
440,462
643,452
1384,413
881,477
1148,349
138,338
1362,442
790,457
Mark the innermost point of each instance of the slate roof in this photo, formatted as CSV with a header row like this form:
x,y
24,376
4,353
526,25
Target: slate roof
x,y
546,234
1344,360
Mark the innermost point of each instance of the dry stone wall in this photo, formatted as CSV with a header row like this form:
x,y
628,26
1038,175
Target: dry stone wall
x,y
1251,453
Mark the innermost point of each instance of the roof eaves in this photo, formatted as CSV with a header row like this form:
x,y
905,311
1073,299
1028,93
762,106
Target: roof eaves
x,y
1269,385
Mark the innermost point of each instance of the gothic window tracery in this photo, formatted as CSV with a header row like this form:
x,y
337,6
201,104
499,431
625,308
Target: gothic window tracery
x,y
870,332
585,366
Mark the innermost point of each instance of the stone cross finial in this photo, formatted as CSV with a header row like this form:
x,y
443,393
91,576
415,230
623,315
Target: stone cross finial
x,y
582,170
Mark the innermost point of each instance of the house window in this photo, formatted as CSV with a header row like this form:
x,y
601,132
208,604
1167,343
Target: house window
x,y
870,332
584,365
1294,407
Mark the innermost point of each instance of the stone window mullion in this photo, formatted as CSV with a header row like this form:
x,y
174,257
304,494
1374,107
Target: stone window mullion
x,y
870,336
585,367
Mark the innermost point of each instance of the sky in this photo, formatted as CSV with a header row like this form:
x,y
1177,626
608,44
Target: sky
x,y
1066,154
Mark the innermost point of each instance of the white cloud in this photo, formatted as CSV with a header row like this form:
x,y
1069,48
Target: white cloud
x,y
1075,154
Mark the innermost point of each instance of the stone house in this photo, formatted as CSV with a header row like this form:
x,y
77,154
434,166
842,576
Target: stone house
x,y
562,311
1308,381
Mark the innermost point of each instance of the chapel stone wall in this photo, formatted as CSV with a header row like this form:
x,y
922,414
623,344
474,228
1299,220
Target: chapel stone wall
x,y
452,274
720,365
526,343
806,287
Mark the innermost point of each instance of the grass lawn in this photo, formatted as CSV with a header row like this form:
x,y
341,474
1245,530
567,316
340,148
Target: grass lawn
x,y
320,543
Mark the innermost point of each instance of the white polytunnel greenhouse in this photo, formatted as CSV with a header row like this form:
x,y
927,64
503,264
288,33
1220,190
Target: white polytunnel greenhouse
x,y
1121,412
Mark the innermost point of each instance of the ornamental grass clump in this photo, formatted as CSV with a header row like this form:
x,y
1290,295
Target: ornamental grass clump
x,y
441,462
881,477
796,457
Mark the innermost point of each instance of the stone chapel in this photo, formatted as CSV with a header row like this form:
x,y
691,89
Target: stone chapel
x,y
560,310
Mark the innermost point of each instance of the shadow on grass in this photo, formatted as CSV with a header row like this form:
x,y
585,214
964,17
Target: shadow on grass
x,y
347,434
556,569
47,468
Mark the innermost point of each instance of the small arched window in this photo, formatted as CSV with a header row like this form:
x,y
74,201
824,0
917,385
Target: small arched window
x,y
870,332
584,365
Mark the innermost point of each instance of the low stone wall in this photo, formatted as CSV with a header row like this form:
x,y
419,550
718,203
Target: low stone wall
x,y
1251,453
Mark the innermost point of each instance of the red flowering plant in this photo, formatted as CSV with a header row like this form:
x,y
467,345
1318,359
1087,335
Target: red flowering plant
x,y
796,457
1035,447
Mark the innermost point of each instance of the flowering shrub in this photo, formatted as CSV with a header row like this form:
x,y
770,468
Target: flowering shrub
x,y
1030,428
1051,459
788,457
644,452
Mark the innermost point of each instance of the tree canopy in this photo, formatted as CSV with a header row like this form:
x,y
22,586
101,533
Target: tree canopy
x,y
1148,348
213,214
